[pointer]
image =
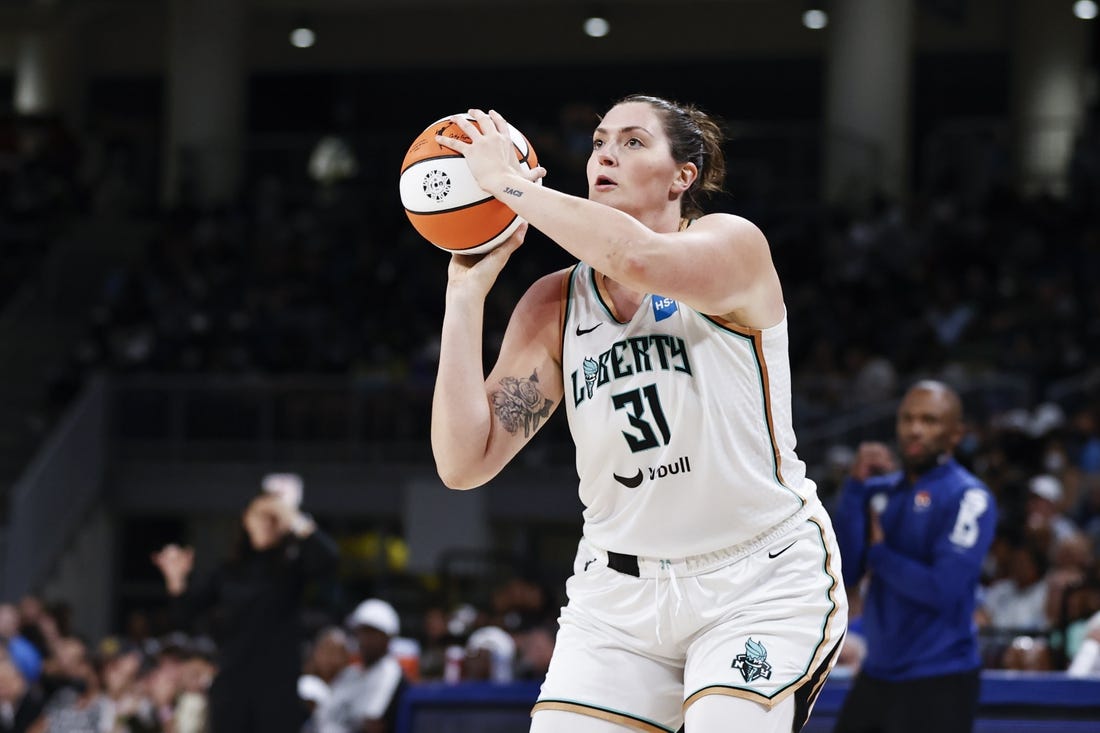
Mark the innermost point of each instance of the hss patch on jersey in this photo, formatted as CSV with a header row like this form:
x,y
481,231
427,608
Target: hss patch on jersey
x,y
662,307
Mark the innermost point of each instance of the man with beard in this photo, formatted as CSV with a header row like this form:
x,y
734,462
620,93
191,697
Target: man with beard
x,y
918,537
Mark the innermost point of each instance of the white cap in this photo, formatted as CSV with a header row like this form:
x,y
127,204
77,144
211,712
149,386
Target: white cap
x,y
494,640
1017,419
461,619
313,689
377,614
1046,487
287,486
1047,417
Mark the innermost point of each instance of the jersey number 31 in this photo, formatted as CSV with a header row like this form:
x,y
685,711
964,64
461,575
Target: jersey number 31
x,y
635,402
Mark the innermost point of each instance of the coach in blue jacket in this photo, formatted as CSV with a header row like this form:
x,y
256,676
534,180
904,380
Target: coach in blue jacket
x,y
919,536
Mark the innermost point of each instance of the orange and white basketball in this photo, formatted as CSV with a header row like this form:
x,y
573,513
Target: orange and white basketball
x,y
442,198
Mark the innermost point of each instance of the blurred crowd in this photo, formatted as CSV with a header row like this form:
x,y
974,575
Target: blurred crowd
x,y
52,679
965,282
1038,609
353,669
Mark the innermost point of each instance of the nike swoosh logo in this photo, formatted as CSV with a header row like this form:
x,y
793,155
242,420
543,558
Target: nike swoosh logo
x,y
773,555
583,331
630,482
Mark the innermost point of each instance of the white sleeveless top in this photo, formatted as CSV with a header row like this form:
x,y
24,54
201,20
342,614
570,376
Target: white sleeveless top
x,y
682,424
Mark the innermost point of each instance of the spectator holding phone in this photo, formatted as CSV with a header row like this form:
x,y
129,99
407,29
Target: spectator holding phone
x,y
258,595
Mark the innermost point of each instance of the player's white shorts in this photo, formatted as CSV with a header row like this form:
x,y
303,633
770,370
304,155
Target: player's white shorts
x,y
761,621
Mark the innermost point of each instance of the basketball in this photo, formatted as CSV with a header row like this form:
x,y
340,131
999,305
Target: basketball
x,y
442,198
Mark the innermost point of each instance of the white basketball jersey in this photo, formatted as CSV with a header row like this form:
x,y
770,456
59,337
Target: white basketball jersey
x,y
682,424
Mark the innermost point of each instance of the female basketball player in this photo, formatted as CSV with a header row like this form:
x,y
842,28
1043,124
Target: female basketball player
x,y
706,587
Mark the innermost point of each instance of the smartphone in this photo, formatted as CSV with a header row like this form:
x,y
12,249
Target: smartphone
x,y
286,486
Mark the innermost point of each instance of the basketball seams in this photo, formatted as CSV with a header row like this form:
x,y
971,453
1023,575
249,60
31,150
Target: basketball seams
x,y
463,190
419,161
460,207
489,244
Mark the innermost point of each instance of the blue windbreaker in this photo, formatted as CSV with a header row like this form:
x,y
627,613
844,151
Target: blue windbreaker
x,y
918,612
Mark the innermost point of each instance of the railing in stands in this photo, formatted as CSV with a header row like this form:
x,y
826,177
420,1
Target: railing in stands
x,y
274,418
380,418
982,396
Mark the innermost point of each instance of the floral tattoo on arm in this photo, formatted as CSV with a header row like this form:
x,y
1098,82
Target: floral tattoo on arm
x,y
519,403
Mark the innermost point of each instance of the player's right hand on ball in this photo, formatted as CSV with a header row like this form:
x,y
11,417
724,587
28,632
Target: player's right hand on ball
x,y
481,271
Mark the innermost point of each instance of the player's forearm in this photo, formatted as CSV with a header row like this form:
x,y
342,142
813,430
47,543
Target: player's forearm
x,y
655,257
607,239
935,586
176,586
460,409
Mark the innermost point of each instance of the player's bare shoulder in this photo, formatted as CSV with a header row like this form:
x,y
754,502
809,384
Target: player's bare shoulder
x,y
545,297
743,284
540,311
551,285
732,229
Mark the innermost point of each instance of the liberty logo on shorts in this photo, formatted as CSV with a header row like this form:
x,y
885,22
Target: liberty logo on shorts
x,y
753,663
